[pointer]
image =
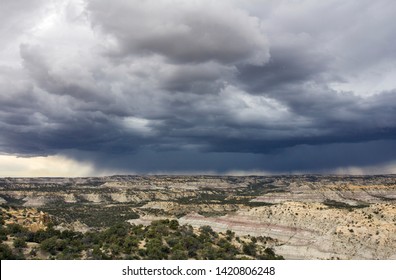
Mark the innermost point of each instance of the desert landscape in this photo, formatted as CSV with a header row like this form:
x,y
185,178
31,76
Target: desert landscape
x,y
304,216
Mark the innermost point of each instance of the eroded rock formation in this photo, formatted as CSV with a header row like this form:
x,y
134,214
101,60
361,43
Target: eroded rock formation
x,y
312,217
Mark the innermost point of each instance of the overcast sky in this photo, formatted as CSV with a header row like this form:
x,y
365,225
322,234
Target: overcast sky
x,y
92,87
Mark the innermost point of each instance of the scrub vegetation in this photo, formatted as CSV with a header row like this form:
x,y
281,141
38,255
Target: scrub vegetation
x,y
163,239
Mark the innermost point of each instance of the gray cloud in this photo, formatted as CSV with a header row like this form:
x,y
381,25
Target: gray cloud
x,y
181,86
198,78
300,159
18,17
182,31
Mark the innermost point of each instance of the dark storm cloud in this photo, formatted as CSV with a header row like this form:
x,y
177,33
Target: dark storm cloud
x,y
299,159
182,31
39,69
198,78
291,63
179,86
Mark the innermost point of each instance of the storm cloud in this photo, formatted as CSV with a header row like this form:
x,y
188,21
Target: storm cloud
x,y
175,86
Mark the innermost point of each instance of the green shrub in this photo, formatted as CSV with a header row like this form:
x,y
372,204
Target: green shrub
x,y
174,224
249,249
49,245
6,253
15,228
19,243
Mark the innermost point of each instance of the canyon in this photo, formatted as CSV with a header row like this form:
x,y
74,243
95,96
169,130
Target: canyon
x,y
309,216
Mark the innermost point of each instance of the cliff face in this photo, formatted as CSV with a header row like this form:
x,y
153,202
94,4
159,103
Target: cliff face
x,y
313,230
29,218
312,217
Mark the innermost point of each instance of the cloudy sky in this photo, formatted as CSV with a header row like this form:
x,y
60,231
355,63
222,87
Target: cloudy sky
x,y
94,87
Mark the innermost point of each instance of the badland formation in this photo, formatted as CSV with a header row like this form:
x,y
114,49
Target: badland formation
x,y
301,217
